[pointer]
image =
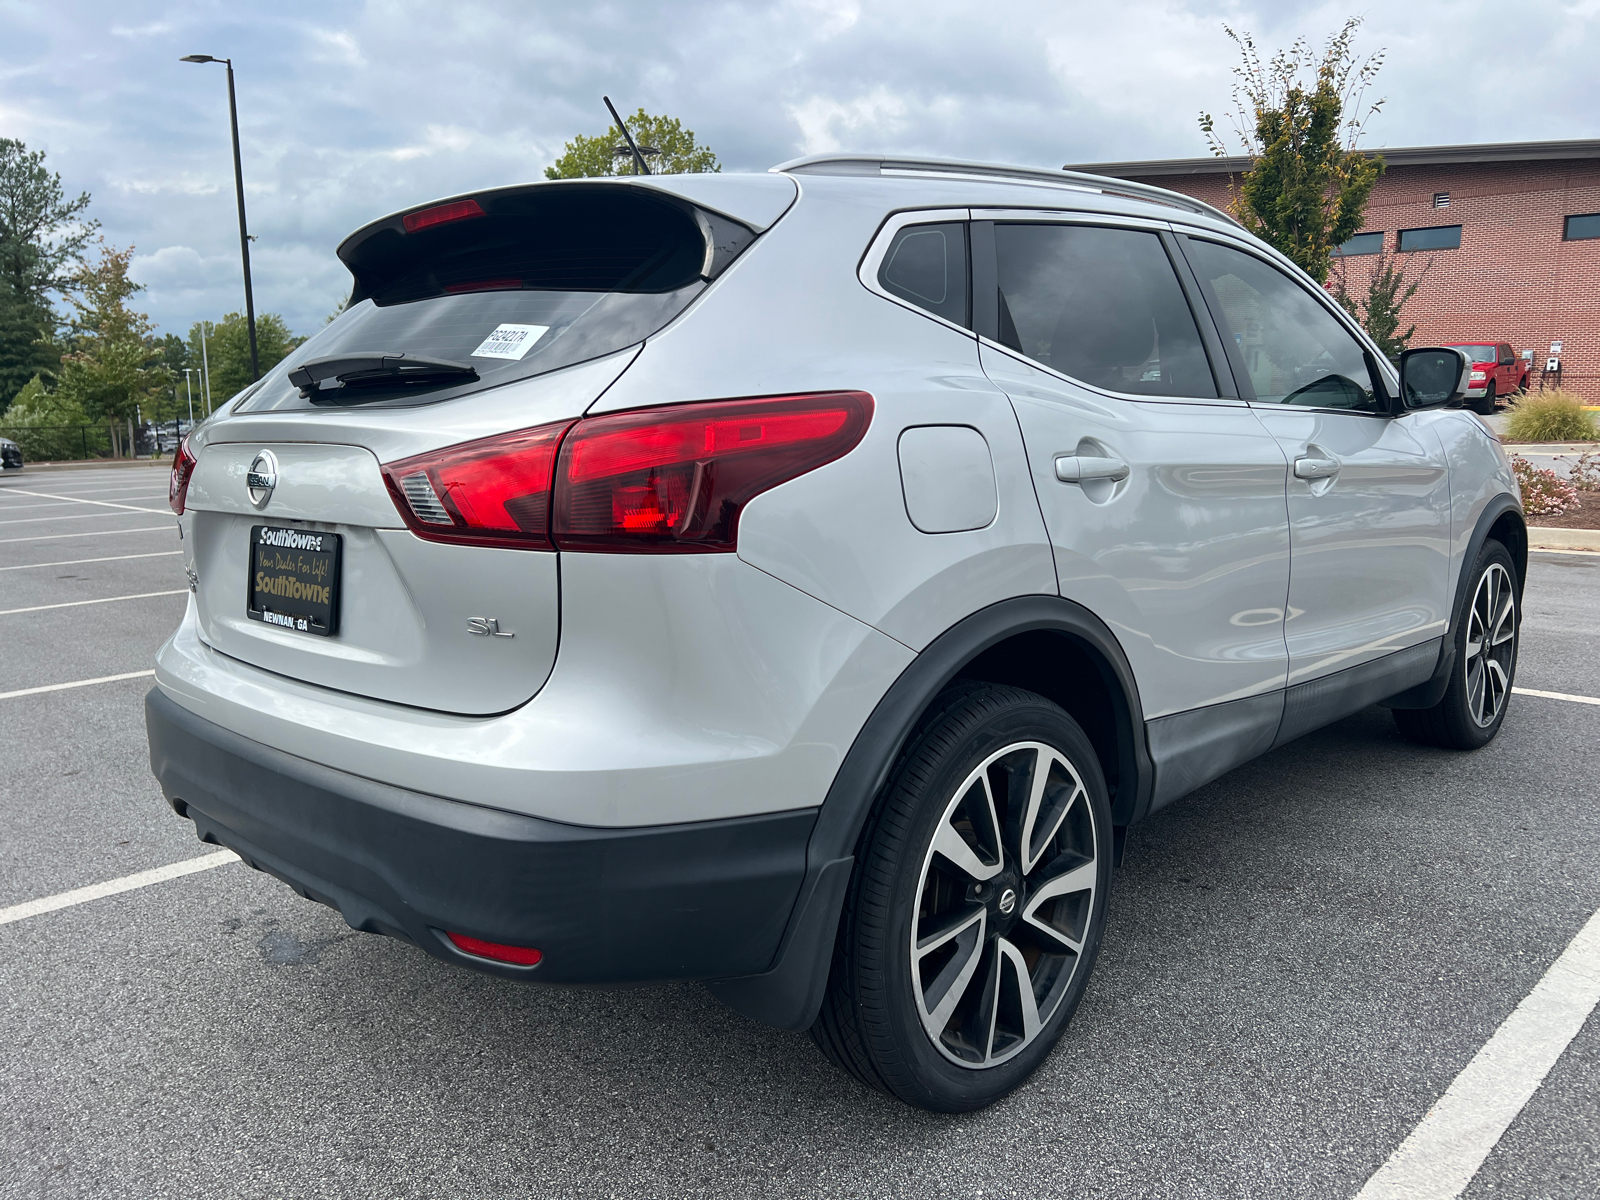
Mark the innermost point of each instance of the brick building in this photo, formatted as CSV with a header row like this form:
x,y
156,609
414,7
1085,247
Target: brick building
x,y
1509,235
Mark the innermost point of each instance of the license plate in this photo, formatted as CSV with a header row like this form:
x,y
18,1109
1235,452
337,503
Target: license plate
x,y
294,579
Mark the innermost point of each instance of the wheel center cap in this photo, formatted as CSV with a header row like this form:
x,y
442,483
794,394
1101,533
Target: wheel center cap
x,y
1008,901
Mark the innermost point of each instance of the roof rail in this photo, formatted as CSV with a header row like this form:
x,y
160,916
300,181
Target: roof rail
x,y
885,164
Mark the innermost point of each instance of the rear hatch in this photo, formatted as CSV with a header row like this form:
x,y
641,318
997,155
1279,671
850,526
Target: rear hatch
x,y
469,319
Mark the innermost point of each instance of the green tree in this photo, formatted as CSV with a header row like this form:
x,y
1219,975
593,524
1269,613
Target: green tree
x,y
1381,310
1307,187
228,352
42,238
587,157
49,425
112,365
26,347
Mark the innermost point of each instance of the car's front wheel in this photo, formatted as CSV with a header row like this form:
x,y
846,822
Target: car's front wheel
x,y
976,910
1474,704
1488,406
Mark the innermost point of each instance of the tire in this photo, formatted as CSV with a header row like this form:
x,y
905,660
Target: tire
x,y
1474,705
1487,406
939,862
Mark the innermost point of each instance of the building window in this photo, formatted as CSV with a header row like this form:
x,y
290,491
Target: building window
x,y
1441,199
1362,243
1439,237
1581,228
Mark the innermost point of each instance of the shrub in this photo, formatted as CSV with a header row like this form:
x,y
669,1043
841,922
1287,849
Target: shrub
x,y
49,426
1554,416
1544,493
1585,473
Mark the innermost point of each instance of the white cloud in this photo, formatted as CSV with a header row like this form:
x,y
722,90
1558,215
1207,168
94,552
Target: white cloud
x,y
832,17
138,31
183,185
336,46
451,138
348,112
863,121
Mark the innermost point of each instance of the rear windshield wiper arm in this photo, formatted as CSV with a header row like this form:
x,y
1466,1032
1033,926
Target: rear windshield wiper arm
x,y
377,366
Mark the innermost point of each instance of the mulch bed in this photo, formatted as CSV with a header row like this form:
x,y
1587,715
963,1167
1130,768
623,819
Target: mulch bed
x,y
1585,516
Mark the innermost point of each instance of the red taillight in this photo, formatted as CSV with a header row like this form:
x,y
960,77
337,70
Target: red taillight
x,y
522,956
182,470
674,480
663,480
441,214
492,492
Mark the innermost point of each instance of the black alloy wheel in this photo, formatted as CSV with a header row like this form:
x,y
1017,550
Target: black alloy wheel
x,y
975,913
1487,636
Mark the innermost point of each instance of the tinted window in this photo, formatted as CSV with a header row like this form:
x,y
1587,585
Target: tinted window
x,y
541,280
1101,305
1440,237
1362,243
1293,349
927,265
1580,228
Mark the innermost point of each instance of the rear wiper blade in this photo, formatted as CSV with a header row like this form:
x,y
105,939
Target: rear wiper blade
x,y
377,367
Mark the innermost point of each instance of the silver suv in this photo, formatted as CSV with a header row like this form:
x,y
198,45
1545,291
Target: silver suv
x,y
800,582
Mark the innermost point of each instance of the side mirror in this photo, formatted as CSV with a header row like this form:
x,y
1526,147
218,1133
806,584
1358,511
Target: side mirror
x,y
1434,377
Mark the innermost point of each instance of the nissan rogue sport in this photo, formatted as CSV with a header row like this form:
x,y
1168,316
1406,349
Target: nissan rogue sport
x,y
800,582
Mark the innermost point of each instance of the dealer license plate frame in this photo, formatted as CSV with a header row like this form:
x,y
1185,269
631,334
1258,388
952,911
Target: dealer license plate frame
x,y
313,563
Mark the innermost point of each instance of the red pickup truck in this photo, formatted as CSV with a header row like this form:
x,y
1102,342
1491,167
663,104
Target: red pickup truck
x,y
1496,373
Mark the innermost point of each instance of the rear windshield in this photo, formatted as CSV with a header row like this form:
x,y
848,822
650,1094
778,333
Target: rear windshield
x,y
534,283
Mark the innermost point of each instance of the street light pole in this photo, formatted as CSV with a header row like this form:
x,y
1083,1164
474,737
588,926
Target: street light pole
x,y
205,364
238,185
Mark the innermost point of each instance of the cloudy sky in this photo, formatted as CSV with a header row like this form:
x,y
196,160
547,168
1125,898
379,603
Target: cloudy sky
x,y
351,110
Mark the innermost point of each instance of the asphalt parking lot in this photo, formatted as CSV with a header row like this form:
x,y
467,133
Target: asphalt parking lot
x,y
1301,957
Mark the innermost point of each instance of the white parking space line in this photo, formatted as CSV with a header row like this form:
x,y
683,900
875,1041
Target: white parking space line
x,y
77,516
12,506
1556,696
120,487
51,537
6,612
78,562
111,887
1446,1149
79,500
76,683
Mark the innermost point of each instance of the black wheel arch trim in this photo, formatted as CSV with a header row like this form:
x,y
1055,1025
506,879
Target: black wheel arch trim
x,y
1426,695
789,994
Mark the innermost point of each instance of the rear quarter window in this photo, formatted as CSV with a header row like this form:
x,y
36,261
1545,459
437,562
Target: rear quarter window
x,y
926,265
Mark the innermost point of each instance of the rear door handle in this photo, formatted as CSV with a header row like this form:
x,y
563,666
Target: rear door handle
x,y
1310,467
1075,468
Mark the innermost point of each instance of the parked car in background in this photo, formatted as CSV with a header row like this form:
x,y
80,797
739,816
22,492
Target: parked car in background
x,y
166,436
907,530
10,455
1497,372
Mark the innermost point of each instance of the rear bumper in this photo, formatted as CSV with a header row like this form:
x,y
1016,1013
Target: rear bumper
x,y
707,900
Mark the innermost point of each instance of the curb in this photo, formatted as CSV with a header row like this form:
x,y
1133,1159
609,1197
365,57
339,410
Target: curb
x,y
1546,538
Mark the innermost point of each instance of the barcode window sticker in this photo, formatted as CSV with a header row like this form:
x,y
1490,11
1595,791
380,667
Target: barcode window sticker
x,y
510,341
